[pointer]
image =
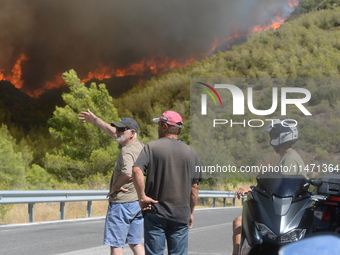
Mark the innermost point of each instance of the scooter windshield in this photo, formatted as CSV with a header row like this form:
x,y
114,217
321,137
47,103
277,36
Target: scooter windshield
x,y
279,185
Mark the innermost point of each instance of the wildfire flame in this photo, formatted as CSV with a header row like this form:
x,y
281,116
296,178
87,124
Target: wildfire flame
x,y
293,3
158,64
15,78
275,24
155,66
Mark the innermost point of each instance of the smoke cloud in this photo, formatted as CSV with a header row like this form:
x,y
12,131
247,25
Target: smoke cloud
x,y
57,35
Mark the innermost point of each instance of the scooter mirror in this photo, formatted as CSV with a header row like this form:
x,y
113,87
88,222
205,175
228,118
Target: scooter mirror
x,y
316,183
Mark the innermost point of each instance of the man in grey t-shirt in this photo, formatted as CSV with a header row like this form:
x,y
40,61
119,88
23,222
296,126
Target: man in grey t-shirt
x,y
124,221
171,187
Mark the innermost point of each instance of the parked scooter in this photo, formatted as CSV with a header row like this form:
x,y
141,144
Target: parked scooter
x,y
327,209
277,211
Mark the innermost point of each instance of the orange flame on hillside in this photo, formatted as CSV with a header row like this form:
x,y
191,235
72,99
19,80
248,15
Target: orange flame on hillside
x,y
293,3
157,65
274,25
15,78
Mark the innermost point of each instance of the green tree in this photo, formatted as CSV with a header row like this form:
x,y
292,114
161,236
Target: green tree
x,y
38,178
12,164
85,149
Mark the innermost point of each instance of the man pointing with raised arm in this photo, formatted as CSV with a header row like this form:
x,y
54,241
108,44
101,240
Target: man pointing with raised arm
x,y
124,221
171,187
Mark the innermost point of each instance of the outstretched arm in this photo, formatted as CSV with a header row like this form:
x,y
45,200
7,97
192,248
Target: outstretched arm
x,y
89,117
145,202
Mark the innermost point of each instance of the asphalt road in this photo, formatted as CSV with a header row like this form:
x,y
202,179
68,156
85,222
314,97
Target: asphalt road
x,y
211,234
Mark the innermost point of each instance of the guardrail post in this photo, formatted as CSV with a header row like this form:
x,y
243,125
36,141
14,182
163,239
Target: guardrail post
x,y
233,201
62,211
214,202
89,209
30,212
224,202
203,201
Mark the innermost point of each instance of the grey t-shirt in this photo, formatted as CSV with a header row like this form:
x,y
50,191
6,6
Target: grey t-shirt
x,y
169,166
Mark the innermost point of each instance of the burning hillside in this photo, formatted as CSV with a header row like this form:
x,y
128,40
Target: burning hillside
x,y
42,39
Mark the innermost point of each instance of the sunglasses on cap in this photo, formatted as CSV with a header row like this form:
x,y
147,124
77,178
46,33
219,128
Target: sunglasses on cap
x,y
164,119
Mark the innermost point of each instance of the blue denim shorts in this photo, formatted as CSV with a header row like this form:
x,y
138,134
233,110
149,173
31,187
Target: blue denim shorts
x,y
123,224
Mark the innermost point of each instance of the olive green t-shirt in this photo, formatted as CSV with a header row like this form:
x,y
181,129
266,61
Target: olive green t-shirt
x,y
125,160
292,163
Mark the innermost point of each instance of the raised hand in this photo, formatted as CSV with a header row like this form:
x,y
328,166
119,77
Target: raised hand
x,y
87,117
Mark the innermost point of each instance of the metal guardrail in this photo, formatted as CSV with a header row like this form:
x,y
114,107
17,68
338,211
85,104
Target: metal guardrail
x,y
217,194
45,196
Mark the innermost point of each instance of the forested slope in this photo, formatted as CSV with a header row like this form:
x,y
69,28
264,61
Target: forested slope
x,y
307,45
